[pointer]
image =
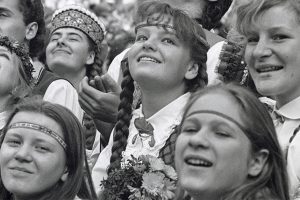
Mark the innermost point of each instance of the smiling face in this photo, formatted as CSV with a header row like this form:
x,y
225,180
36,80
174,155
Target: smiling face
x,y
271,54
212,153
68,52
8,71
159,59
32,162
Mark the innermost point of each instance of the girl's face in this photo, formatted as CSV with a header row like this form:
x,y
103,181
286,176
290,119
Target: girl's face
x,y
213,155
271,54
8,71
159,59
68,52
31,161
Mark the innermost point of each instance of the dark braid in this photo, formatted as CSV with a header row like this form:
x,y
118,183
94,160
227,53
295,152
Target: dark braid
x,y
123,119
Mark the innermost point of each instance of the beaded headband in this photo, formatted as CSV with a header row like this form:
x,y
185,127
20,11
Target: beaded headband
x,y
75,16
15,47
40,128
221,115
166,26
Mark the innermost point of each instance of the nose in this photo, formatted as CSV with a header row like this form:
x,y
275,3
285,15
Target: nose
x,y
262,49
61,41
200,139
23,153
150,44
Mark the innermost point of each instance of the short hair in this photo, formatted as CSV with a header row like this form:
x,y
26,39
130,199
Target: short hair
x,y
259,129
73,137
33,11
248,14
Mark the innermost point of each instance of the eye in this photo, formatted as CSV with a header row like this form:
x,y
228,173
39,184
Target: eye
x,y
73,39
54,38
221,133
279,37
3,14
189,129
13,142
252,39
169,41
140,38
42,148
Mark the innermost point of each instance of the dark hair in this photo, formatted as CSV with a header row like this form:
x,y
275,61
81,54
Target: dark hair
x,y
272,182
33,11
213,12
75,151
190,33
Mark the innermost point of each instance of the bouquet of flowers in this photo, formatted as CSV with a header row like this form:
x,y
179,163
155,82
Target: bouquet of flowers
x,y
142,178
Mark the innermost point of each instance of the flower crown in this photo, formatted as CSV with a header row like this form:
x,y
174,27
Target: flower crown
x,y
15,47
80,18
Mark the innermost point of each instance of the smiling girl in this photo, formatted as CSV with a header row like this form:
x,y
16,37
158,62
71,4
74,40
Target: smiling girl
x,y
167,60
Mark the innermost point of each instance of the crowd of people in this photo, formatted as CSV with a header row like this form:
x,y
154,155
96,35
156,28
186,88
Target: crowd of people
x,y
210,87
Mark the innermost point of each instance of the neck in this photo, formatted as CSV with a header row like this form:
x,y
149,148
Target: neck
x,y
282,100
154,101
74,78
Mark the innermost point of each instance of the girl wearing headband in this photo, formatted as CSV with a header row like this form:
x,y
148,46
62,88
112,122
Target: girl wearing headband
x,y
227,148
42,153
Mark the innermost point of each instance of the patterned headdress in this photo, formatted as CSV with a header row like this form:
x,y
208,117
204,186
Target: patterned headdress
x,y
75,16
15,47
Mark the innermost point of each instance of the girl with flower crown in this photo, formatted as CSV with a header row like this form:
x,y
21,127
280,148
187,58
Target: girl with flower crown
x,y
15,75
167,61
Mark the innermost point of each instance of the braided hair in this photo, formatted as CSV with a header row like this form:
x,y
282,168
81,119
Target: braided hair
x,y
191,34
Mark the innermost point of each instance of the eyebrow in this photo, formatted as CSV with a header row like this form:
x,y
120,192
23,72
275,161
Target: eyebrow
x,y
4,54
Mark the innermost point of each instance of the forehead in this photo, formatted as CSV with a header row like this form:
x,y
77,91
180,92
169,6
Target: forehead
x,y
38,118
280,16
219,102
69,31
12,5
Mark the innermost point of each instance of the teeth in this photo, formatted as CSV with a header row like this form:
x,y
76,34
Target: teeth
x,y
198,162
148,59
269,69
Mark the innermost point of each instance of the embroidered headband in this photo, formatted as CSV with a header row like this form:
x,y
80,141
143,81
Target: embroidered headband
x,y
15,47
166,26
221,115
40,128
75,16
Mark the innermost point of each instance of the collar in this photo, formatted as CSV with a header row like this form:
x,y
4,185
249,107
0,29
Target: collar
x,y
291,110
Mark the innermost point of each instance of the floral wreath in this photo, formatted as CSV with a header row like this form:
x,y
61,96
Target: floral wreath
x,y
15,47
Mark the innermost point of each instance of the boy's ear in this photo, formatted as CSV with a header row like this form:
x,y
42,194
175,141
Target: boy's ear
x,y
31,30
258,162
192,71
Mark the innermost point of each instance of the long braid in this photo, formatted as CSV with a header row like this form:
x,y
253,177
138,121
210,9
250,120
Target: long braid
x,y
123,119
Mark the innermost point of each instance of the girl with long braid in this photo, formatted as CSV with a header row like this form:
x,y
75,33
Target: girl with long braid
x,y
167,61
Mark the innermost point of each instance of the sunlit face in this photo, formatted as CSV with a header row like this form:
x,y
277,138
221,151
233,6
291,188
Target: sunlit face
x,y
11,20
8,71
271,54
31,161
68,52
212,153
159,59
194,8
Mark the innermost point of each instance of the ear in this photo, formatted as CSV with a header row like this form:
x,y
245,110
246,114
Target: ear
x,y
192,71
258,162
90,58
64,176
31,30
